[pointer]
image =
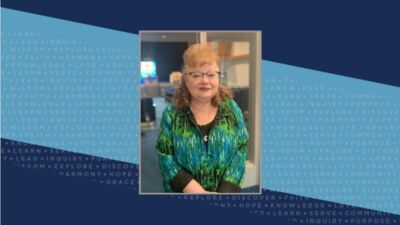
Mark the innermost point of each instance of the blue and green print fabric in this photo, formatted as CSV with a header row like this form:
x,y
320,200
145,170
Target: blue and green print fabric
x,y
217,164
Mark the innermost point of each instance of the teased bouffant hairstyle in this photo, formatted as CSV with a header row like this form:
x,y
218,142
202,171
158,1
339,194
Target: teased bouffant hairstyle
x,y
197,55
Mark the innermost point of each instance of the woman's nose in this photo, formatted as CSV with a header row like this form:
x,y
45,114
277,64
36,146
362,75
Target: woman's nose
x,y
204,78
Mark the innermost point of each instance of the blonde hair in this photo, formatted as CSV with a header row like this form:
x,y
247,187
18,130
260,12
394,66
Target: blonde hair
x,y
197,55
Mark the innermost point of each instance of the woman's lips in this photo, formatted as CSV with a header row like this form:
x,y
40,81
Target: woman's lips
x,y
204,89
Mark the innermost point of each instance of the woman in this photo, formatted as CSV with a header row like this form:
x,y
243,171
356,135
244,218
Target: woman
x,y
202,146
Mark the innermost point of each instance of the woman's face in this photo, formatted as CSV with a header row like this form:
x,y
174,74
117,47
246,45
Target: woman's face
x,y
202,82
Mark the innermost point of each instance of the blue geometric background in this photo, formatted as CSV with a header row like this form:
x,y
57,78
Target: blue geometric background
x,y
73,87
76,86
331,137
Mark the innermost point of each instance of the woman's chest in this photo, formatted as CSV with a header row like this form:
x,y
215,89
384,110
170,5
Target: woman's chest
x,y
193,152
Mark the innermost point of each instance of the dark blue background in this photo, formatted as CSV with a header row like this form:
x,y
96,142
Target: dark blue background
x,y
42,196
353,38
356,38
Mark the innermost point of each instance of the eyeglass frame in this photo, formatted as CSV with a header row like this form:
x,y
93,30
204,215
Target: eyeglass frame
x,y
203,74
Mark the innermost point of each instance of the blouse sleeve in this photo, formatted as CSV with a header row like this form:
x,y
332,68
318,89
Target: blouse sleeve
x,y
171,171
234,175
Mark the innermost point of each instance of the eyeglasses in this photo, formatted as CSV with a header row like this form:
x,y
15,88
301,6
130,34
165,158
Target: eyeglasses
x,y
198,75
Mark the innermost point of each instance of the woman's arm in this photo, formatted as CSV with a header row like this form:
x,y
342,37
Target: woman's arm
x,y
180,179
234,174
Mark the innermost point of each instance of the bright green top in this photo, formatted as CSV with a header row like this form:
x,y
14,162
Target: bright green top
x,y
217,164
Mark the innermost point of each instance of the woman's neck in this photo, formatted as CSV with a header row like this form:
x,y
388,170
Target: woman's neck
x,y
200,106
204,112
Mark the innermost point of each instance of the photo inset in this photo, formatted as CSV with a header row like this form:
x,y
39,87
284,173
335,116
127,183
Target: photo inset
x,y
200,98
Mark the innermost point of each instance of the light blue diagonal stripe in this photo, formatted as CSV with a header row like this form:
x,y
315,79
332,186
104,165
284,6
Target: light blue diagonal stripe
x,y
70,86
331,137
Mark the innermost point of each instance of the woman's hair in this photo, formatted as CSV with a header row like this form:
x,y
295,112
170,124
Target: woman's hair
x,y
197,55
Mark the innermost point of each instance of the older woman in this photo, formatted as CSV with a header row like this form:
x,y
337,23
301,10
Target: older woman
x,y
202,146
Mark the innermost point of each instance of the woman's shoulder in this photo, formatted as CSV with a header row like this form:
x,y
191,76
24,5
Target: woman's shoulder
x,y
168,114
230,107
169,110
230,104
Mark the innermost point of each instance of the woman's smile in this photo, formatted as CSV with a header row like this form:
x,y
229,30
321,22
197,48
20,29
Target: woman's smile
x,y
204,89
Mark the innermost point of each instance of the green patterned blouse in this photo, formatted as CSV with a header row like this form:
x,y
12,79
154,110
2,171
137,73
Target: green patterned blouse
x,y
217,164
